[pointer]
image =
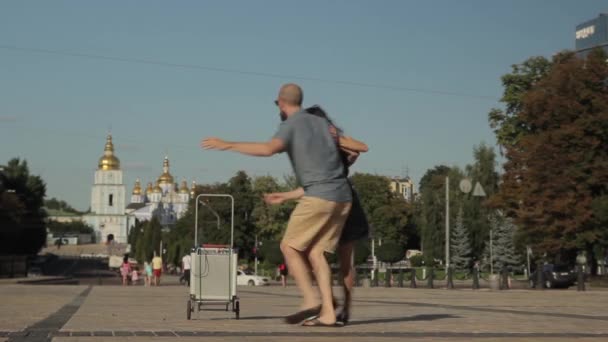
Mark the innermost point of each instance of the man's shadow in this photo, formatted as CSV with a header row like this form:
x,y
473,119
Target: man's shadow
x,y
416,318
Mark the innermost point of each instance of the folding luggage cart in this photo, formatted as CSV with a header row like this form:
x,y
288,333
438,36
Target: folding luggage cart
x,y
214,269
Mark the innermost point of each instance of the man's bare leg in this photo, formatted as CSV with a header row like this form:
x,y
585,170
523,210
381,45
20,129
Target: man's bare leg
x,y
316,256
299,269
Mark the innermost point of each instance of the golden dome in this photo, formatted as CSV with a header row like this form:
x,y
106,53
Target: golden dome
x,y
109,161
137,188
166,177
184,188
157,189
149,188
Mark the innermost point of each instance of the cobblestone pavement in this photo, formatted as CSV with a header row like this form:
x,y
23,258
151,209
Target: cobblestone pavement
x,y
136,313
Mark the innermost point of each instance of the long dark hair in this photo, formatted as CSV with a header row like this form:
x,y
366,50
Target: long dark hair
x,y
316,110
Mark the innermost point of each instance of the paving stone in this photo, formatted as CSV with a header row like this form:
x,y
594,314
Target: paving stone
x,y
143,333
116,313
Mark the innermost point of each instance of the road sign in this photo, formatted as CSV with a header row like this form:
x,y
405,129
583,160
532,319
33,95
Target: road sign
x,y
466,186
479,191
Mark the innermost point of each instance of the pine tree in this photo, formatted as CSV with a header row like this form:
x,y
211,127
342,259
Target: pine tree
x,y
503,247
460,245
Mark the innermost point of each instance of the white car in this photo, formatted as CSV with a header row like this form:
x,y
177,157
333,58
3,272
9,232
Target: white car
x,y
250,279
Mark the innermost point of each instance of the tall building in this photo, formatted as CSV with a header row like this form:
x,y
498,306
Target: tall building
x,y
592,34
165,201
107,216
404,187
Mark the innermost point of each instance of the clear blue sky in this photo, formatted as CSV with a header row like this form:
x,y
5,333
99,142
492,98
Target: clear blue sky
x,y
55,109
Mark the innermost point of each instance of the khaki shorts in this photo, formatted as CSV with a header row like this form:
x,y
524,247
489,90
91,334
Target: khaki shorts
x,y
314,222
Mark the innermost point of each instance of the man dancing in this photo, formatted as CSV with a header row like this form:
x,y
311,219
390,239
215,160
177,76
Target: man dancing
x,y
325,198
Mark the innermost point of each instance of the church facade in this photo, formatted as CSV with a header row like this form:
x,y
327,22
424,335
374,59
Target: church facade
x,y
110,214
107,216
165,200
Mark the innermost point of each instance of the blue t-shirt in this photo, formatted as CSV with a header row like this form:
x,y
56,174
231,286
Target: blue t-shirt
x,y
315,157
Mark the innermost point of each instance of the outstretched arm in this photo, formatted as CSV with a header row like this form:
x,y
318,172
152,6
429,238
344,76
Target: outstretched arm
x,y
263,149
280,197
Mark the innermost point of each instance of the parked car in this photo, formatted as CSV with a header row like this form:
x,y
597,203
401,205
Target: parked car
x,y
555,276
34,272
248,278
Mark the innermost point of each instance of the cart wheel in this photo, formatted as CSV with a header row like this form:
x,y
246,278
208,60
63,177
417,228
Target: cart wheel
x,y
189,309
232,301
237,309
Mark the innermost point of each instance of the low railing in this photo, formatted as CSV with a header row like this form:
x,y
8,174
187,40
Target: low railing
x,y
13,266
432,277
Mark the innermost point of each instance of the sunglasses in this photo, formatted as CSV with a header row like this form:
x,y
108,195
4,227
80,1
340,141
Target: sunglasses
x,y
276,102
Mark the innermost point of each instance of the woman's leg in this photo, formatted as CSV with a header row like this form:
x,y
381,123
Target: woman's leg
x,y
347,271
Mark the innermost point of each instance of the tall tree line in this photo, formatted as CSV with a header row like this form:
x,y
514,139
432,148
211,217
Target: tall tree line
x,y
554,136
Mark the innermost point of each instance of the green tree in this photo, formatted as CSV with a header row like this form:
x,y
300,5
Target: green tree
x,y
507,124
22,228
460,248
148,241
390,252
504,253
181,238
390,216
476,210
431,213
374,191
270,220
556,170
270,252
391,221
240,187
56,204
362,252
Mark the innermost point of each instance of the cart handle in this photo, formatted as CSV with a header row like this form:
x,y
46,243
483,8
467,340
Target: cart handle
x,y
231,218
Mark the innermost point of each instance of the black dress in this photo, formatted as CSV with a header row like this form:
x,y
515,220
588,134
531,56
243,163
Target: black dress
x,y
356,226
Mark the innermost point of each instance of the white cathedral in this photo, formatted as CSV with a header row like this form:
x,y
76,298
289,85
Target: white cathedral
x,y
109,213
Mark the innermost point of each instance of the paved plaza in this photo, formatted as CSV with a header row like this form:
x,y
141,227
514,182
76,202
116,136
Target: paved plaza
x,y
69,313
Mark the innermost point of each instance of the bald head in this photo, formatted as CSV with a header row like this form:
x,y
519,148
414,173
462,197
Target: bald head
x,y
291,94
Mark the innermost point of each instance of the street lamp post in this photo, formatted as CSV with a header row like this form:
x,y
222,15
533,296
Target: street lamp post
x,y
465,187
491,253
447,224
217,216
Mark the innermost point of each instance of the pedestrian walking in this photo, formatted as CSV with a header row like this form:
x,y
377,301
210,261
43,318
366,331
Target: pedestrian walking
x,y
157,268
148,272
134,276
125,270
283,273
186,265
